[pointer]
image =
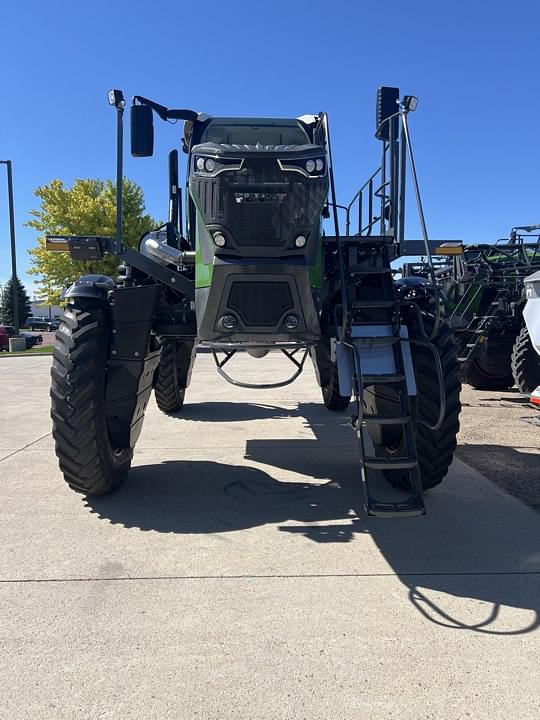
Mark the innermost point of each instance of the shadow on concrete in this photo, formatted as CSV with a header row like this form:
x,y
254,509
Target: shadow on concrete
x,y
219,412
520,400
472,544
514,469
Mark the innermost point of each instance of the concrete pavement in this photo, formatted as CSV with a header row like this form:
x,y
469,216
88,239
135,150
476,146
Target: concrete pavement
x,y
235,575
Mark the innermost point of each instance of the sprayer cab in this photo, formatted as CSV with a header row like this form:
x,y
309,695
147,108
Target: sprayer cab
x,y
257,188
255,195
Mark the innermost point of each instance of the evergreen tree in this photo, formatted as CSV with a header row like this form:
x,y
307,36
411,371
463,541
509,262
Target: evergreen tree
x,y
6,308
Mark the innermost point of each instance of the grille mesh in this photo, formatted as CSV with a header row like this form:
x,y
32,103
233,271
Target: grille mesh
x,y
260,303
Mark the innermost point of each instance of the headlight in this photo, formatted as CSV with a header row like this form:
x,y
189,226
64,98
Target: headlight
x,y
212,166
313,167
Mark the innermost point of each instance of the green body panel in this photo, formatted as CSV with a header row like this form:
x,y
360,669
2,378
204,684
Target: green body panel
x,y
203,272
473,294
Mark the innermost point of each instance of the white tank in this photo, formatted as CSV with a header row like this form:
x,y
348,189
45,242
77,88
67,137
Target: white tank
x,y
531,312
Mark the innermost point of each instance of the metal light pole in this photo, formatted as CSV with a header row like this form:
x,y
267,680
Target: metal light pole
x,y
14,284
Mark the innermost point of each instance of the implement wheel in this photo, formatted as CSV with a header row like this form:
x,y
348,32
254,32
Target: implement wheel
x,y
478,377
88,460
525,363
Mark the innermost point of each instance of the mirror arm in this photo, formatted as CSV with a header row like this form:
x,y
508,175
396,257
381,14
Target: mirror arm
x,y
189,115
164,113
160,110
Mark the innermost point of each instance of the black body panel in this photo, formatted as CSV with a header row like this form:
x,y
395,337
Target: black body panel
x,y
133,359
260,294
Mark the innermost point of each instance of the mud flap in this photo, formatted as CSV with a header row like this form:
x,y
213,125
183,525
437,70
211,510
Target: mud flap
x,y
132,360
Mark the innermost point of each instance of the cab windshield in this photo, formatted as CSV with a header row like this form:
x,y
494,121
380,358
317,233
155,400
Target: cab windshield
x,y
250,133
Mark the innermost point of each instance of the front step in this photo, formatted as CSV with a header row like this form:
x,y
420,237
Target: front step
x,y
399,463
386,419
410,508
386,379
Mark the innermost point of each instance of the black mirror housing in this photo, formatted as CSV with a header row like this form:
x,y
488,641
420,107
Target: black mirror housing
x,y
142,131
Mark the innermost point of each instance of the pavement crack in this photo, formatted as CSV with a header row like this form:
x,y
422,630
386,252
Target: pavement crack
x,y
262,576
25,447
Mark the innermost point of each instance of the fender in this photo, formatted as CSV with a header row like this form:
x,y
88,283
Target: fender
x,y
90,286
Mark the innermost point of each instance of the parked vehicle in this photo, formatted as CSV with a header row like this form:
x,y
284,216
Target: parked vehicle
x,y
8,331
531,314
42,323
482,288
31,340
4,338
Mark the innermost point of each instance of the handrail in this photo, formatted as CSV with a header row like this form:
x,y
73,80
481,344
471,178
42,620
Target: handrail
x,y
396,151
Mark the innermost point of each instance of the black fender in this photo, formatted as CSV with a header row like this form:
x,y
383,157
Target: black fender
x,y
90,286
416,289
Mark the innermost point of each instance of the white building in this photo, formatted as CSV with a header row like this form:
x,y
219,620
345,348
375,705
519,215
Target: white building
x,y
39,308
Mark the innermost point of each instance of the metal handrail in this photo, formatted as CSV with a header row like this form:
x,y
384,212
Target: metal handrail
x,y
391,218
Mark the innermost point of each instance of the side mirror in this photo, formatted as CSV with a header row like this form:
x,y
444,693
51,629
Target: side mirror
x,y
142,131
387,105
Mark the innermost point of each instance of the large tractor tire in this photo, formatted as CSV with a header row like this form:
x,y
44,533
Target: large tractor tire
x,y
525,363
88,460
478,377
172,375
434,448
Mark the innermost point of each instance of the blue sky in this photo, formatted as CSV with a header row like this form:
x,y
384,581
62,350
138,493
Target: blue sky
x,y
473,65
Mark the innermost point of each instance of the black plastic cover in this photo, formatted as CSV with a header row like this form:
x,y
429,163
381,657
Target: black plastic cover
x,y
387,105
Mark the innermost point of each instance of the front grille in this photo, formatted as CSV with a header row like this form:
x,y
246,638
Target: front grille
x,y
261,205
260,303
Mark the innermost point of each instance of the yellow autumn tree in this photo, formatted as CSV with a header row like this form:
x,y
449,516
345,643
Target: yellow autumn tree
x,y
88,207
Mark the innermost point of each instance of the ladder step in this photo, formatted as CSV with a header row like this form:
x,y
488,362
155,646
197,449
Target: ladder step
x,y
363,239
358,270
386,419
382,379
409,508
400,463
378,339
372,304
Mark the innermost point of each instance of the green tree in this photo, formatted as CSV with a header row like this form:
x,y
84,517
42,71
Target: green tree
x,y
6,310
86,208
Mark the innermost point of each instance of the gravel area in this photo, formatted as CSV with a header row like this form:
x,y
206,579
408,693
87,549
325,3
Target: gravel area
x,y
500,437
